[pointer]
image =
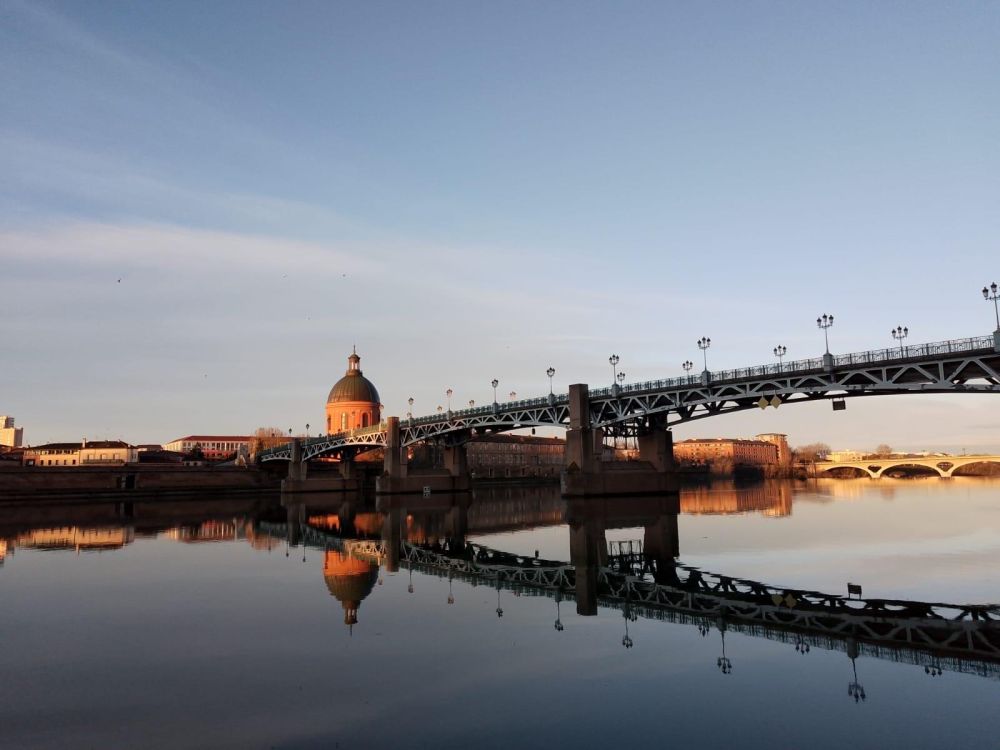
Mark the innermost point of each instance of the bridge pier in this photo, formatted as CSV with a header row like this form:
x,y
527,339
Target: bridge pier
x,y
398,479
586,475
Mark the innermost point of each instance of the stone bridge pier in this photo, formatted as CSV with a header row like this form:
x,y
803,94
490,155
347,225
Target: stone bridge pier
x,y
586,474
399,479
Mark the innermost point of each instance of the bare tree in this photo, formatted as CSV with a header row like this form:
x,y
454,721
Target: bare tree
x,y
811,452
267,437
883,450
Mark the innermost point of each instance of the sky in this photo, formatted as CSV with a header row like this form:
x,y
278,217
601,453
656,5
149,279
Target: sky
x,y
204,206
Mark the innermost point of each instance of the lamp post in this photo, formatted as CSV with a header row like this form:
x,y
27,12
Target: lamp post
x,y
824,322
307,429
688,364
472,403
780,352
409,414
440,408
550,372
613,360
448,394
513,395
990,294
703,344
621,378
495,383
899,333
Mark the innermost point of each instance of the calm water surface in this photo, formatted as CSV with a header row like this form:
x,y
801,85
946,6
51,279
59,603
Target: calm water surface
x,y
217,631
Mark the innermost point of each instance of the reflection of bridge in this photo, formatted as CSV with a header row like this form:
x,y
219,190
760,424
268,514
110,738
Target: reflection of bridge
x,y
646,410
876,468
652,585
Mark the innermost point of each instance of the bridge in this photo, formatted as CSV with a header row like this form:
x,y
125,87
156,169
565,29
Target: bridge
x,y
647,410
937,636
876,468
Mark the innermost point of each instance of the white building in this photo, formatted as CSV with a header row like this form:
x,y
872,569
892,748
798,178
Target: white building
x,y
10,436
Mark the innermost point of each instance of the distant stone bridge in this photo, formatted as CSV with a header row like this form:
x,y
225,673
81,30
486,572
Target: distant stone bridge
x,y
875,468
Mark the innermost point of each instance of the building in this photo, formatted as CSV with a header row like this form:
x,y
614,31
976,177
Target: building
x,y
10,436
838,456
495,456
725,455
781,441
212,447
353,401
84,453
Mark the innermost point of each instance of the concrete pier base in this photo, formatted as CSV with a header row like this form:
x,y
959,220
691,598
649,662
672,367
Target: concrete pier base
x,y
586,475
398,479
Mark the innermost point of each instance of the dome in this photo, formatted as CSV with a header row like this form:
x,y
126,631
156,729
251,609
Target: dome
x,y
353,386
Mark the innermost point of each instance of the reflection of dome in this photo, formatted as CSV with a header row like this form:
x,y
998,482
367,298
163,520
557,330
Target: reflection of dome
x,y
353,386
349,580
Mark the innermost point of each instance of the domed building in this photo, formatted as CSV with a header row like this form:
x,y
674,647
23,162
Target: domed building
x,y
353,401
349,580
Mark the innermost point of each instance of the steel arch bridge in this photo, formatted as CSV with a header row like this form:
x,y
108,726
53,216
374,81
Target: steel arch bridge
x,y
970,365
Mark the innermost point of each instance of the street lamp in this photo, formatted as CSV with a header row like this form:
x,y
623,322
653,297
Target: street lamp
x,y
621,378
613,360
779,352
824,322
899,333
552,371
472,403
409,414
440,408
703,344
994,297
307,429
495,383
688,364
448,394
513,395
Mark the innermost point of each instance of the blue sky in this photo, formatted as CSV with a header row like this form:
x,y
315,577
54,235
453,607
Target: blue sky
x,y
472,190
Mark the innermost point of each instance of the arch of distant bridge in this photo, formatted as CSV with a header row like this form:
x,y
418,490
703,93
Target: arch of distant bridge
x,y
944,466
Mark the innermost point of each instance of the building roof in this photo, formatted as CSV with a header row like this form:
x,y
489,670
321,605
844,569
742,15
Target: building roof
x,y
80,445
354,386
213,438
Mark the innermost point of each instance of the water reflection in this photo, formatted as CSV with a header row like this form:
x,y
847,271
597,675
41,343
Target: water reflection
x,y
615,558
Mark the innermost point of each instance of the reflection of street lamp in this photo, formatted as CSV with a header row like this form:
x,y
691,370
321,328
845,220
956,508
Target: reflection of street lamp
x,y
824,322
409,586
703,344
994,297
628,615
499,608
801,646
855,689
558,623
899,333
451,597
723,663
780,352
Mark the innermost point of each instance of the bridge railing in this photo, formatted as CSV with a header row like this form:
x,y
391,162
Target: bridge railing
x,y
803,366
